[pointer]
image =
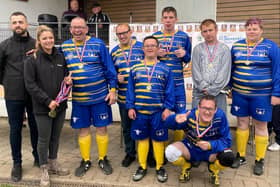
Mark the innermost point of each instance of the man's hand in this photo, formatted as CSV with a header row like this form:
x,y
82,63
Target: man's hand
x,y
204,91
275,100
180,53
181,118
111,97
68,79
132,114
53,104
30,52
120,78
100,26
162,52
165,114
204,145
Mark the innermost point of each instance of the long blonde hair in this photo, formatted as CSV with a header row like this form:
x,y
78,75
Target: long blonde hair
x,y
40,30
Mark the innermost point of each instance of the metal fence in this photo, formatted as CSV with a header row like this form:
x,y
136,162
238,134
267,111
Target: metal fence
x,y
61,30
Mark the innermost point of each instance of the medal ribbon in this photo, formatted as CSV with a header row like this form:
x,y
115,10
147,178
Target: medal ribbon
x,y
82,55
168,47
153,69
127,58
212,56
63,93
200,135
250,51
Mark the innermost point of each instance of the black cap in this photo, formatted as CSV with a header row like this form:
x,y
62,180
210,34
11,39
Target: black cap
x,y
95,4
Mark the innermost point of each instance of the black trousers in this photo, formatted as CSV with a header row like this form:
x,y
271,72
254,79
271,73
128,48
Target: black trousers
x,y
49,130
15,109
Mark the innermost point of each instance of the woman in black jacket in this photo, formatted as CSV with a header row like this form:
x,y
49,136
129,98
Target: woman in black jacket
x,y
44,71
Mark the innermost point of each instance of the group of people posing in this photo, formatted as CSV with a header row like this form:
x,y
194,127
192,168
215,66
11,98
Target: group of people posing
x,y
146,79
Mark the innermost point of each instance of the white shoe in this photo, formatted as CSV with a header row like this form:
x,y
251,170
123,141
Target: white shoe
x,y
274,147
45,178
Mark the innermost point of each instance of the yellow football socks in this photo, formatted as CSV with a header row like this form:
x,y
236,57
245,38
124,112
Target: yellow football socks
x,y
216,167
261,145
159,153
102,145
178,135
143,149
181,161
85,145
242,137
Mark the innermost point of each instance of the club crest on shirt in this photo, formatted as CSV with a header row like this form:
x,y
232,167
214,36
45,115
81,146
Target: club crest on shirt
x,y
117,62
90,54
238,54
262,53
159,76
70,56
180,105
138,75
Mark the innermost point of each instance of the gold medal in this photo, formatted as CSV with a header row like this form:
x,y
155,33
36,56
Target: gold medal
x,y
52,113
81,66
127,70
149,87
247,62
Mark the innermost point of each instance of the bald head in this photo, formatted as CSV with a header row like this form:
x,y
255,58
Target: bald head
x,y
79,29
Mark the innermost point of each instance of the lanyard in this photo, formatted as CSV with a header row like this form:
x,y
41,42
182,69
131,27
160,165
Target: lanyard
x,y
212,56
200,135
63,93
127,58
168,47
82,54
147,71
250,51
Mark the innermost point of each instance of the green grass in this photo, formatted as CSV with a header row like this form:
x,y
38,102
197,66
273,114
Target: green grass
x,y
5,185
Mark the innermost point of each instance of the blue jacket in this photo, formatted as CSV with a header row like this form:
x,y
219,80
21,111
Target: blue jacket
x,y
218,135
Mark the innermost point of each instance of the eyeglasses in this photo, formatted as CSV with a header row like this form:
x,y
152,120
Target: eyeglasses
x,y
207,109
122,33
78,27
150,46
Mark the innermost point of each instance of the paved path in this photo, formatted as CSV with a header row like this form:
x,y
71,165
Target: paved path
x,y
122,177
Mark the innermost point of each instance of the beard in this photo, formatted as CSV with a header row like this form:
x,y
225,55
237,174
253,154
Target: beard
x,y
19,32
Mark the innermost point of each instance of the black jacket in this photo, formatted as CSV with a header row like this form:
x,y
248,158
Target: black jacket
x,y
12,56
99,18
43,76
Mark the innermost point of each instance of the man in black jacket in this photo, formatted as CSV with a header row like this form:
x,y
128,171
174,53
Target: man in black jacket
x,y
101,20
12,56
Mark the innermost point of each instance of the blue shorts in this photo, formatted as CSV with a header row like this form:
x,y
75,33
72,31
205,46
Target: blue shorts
x,y
149,126
196,153
259,107
98,115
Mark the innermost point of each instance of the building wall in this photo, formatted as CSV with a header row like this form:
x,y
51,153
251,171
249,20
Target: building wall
x,y
189,10
32,8
149,11
120,11
241,10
